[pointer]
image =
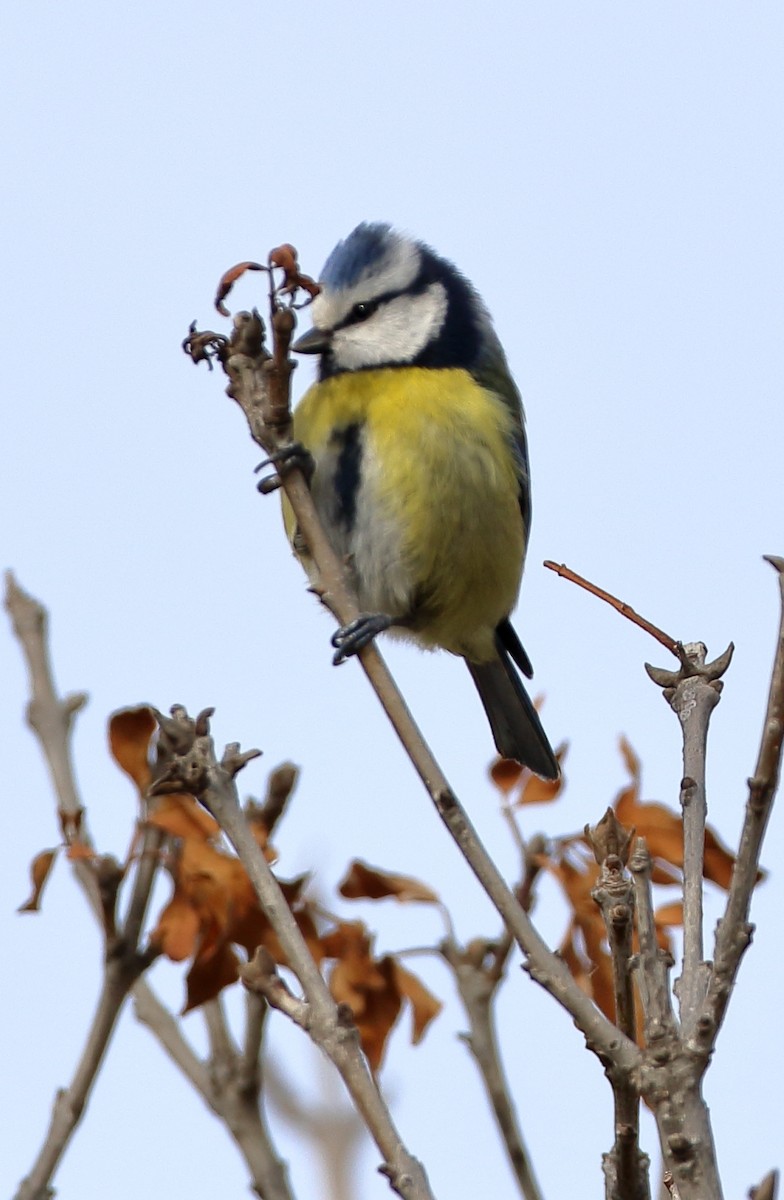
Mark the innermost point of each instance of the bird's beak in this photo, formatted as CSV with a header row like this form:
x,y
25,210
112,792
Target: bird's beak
x,y
315,341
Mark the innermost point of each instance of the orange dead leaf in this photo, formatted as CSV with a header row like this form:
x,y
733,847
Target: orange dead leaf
x,y
669,914
363,882
505,774
229,278
285,257
665,874
209,975
182,816
368,986
39,873
258,828
378,1015
577,880
424,1005
630,758
79,850
130,734
214,907
543,791
177,930
591,964
719,861
663,832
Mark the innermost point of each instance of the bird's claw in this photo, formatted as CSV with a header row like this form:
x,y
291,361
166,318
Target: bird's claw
x,y
351,638
287,458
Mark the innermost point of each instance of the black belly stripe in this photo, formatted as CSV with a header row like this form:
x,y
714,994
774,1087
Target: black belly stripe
x,y
347,473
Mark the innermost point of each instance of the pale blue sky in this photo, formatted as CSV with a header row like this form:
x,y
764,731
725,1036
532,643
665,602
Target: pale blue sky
x,y
610,176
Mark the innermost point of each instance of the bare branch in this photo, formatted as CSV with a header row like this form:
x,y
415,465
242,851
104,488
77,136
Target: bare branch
x,y
226,1093
149,1011
733,935
332,1125
477,983
693,693
193,765
619,605
653,963
52,720
625,1167
256,1011
70,1103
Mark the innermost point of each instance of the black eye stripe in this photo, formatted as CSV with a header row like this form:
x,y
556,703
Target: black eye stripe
x,y
360,312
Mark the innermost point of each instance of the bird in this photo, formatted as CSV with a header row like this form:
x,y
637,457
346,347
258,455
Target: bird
x,y
418,466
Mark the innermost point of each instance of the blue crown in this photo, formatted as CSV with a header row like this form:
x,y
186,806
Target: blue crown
x,y
351,258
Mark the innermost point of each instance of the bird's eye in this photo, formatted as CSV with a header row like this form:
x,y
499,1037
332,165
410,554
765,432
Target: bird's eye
x,y
363,310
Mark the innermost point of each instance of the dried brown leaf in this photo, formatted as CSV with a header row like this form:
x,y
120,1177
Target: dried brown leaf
x,y
177,931
229,278
543,791
209,975
668,915
39,873
181,816
631,760
130,734
363,882
425,1007
506,773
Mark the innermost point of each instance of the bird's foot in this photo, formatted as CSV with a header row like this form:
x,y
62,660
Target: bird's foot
x,y
287,458
351,638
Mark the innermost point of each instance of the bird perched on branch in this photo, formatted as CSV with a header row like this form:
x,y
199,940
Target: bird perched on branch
x,y
420,467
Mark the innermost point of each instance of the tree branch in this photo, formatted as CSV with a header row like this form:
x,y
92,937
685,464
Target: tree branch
x,y
193,765
652,962
70,1103
52,721
227,1095
477,983
733,934
625,1166
693,693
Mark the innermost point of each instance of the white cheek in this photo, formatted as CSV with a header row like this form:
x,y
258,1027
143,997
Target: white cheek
x,y
324,312
396,333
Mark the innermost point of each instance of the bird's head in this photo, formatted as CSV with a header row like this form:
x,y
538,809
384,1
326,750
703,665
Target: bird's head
x,y
388,300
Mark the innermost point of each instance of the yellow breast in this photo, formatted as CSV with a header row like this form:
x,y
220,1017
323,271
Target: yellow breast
x,y
438,523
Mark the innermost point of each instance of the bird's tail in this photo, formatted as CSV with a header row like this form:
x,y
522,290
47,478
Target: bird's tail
x,y
516,727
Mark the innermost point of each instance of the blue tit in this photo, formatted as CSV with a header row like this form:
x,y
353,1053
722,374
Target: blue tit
x,y
420,467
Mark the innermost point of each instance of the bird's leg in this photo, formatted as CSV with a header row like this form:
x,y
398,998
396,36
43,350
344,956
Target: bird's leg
x,y
351,638
287,458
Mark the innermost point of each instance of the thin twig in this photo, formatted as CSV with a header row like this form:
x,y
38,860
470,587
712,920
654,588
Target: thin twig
x,y
625,1166
733,934
333,1126
227,1094
672,1071
193,765
51,719
652,964
70,1102
477,987
693,697
619,605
